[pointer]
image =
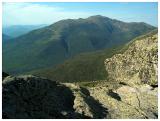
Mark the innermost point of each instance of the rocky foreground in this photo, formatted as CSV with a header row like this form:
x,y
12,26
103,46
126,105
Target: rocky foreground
x,y
34,97
131,91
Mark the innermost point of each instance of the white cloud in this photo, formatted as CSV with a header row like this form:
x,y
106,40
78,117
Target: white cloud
x,y
28,13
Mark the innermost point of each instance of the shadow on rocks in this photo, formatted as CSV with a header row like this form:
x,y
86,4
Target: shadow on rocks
x,y
4,75
114,95
96,108
30,97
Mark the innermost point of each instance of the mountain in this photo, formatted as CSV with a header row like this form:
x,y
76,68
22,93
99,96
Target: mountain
x,y
5,37
17,30
53,44
80,68
90,66
130,90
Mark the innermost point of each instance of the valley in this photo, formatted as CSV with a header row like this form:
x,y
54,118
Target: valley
x,y
123,94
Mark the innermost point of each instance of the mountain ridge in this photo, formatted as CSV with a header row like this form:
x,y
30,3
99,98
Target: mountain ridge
x,y
80,68
18,30
53,44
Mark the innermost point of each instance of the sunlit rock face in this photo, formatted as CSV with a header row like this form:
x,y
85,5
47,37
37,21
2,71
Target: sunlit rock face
x,y
138,64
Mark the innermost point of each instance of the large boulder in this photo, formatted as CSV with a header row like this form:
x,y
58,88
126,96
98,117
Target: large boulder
x,y
33,97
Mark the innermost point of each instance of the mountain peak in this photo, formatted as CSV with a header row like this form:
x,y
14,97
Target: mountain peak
x,y
98,17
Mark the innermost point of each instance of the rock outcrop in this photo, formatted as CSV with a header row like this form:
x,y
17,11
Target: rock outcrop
x,y
128,102
138,64
32,97
137,70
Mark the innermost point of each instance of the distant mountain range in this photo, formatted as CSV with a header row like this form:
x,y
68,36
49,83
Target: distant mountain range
x,y
17,30
52,45
5,37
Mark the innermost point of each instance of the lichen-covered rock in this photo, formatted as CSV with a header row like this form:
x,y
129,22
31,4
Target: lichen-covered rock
x,y
86,104
144,98
123,102
139,61
136,68
80,105
128,102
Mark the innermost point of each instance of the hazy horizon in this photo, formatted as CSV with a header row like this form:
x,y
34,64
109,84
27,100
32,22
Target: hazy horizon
x,y
27,13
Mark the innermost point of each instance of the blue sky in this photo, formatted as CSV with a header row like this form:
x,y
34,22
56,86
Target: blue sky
x,y
48,13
